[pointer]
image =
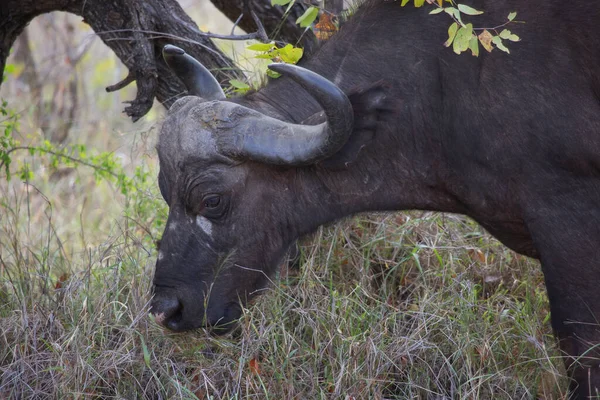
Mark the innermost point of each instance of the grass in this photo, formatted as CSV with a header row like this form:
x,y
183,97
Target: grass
x,y
398,306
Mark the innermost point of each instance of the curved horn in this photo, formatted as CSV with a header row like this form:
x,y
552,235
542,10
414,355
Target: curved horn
x,y
335,103
196,78
265,139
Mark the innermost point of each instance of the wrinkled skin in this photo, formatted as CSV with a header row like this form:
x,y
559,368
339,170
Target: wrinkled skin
x,y
512,141
208,243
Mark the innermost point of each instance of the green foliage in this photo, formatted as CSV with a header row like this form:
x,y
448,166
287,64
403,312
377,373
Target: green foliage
x,y
8,125
106,166
464,36
9,69
288,53
309,16
239,86
468,10
269,51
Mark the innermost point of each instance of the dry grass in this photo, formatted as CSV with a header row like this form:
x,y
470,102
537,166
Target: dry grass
x,y
413,305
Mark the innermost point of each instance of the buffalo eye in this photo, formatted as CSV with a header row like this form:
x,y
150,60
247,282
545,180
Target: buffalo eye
x,y
210,205
212,201
213,206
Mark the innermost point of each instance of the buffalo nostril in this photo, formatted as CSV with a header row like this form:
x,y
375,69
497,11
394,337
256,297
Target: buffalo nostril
x,y
165,310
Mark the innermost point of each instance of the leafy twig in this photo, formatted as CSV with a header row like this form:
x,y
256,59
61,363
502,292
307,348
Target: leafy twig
x,y
462,35
61,155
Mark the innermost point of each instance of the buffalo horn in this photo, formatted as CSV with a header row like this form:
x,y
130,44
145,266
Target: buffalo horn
x,y
196,78
273,141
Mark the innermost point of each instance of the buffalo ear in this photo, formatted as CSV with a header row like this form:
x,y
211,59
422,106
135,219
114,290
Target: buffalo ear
x,y
371,108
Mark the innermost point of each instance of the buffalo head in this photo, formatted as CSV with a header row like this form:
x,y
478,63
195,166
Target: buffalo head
x,y
225,172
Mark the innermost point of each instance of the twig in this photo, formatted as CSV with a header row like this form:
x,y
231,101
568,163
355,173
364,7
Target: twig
x,y
120,85
160,35
494,28
57,154
475,29
259,35
235,24
260,29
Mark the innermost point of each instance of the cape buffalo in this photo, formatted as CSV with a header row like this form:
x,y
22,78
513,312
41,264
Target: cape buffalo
x,y
384,117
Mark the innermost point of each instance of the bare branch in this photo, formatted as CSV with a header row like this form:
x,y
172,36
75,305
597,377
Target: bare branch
x,y
235,24
120,85
149,25
275,22
260,28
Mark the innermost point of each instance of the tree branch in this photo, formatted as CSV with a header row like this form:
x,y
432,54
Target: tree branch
x,y
137,30
277,24
124,25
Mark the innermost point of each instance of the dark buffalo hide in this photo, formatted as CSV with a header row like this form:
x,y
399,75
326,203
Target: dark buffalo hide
x,y
512,141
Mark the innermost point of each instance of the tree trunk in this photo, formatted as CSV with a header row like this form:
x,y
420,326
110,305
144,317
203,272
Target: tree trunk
x,y
136,30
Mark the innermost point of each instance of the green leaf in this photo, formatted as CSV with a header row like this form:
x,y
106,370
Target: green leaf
x,y
239,84
462,39
454,13
505,34
260,46
280,2
10,68
145,351
419,3
498,42
436,11
273,74
25,173
309,16
451,34
404,3
474,46
512,16
468,10
290,54
514,38
240,87
268,56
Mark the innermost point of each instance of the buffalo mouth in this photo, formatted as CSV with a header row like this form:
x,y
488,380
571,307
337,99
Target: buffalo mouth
x,y
173,314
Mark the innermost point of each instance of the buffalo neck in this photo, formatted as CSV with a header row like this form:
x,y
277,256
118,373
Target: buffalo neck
x,y
374,183
400,163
